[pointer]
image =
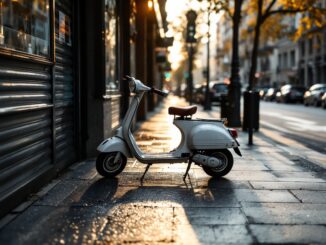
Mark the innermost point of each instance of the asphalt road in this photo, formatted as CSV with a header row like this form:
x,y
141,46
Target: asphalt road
x,y
306,125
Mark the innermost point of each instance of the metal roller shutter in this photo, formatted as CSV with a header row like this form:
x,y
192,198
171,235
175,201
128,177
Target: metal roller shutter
x,y
64,86
25,126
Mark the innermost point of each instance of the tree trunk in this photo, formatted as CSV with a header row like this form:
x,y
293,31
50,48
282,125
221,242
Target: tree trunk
x,y
254,53
234,95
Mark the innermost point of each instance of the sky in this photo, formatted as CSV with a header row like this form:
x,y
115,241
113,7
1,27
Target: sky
x,y
176,11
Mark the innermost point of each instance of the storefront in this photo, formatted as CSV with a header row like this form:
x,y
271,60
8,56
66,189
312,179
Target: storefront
x,y
60,66
100,73
37,94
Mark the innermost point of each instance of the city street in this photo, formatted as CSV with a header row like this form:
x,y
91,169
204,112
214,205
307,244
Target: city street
x,y
270,196
306,125
295,126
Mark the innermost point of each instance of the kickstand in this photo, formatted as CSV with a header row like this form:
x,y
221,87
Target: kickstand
x,y
188,168
143,176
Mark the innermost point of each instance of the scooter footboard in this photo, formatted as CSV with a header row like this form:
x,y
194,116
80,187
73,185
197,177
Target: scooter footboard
x,y
114,144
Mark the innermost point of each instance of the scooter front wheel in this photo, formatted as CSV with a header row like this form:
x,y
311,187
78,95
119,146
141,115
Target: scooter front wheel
x,y
106,165
227,159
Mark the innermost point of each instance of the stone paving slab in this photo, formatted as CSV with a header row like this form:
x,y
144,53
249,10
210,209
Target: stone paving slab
x,y
58,193
84,171
289,234
233,234
194,234
209,216
54,225
130,224
310,196
262,196
220,234
175,197
285,213
317,186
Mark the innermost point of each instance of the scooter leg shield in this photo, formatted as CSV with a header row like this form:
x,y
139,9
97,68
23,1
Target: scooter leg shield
x,y
114,144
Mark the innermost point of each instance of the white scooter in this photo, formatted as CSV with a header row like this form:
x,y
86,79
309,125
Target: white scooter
x,y
204,141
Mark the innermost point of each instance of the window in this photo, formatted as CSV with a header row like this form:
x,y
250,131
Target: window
x,y
292,54
111,46
318,43
310,46
302,48
280,61
25,26
285,60
324,40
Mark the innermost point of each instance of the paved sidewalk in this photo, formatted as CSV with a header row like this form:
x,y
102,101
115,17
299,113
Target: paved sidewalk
x,y
270,196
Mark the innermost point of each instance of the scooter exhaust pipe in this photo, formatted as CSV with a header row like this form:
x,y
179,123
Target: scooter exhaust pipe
x,y
212,162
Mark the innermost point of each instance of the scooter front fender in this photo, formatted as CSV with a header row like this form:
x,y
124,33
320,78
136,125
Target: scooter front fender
x,y
114,144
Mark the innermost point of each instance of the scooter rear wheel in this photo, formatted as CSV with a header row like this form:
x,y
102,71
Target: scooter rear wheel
x,y
226,157
106,167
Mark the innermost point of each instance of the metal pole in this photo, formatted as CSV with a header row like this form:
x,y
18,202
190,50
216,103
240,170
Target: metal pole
x,y
251,119
190,81
207,106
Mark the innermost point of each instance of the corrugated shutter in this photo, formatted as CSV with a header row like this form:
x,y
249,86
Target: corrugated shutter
x,y
25,125
64,86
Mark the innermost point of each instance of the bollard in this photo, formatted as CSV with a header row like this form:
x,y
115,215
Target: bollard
x,y
224,105
250,113
246,111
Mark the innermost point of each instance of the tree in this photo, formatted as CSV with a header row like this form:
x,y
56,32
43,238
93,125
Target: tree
x,y
234,94
267,9
233,10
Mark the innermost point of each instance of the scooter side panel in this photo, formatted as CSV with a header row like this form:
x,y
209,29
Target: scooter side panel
x,y
114,144
210,136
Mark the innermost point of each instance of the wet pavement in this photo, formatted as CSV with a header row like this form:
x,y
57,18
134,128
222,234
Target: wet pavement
x,y
269,196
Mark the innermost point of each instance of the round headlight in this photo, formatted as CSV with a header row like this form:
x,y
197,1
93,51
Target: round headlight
x,y
132,85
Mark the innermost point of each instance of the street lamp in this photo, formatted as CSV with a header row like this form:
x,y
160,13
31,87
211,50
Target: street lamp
x,y
190,38
150,4
207,105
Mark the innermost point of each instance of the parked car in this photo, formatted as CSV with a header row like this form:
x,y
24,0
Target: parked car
x,y
323,101
218,89
291,93
263,92
199,94
314,94
278,96
271,94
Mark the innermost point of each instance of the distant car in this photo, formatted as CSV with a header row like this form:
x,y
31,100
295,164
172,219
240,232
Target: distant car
x,y
323,101
278,96
263,92
291,93
218,90
271,94
314,94
199,94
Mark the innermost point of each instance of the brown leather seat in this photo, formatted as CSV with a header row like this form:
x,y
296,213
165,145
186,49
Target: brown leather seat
x,y
183,111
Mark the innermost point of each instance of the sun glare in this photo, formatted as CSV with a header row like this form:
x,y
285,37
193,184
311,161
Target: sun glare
x,y
176,11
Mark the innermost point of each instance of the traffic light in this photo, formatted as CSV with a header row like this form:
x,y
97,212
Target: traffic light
x,y
191,26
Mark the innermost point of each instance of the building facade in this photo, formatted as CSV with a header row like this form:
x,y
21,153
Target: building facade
x,y
312,57
61,67
280,61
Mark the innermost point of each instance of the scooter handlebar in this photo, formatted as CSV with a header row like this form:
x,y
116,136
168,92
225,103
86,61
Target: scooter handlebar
x,y
159,92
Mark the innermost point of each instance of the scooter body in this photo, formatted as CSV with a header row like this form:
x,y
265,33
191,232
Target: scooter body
x,y
203,141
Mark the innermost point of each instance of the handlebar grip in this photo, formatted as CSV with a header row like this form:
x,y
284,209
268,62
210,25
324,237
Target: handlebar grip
x,y
160,92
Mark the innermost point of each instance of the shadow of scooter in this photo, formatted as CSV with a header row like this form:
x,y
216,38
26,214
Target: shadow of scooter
x,y
150,210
